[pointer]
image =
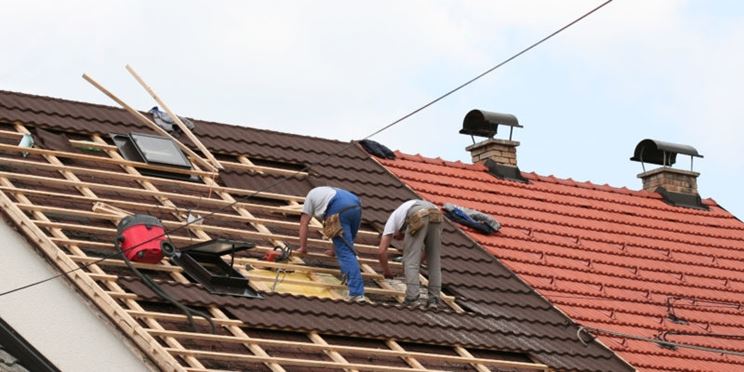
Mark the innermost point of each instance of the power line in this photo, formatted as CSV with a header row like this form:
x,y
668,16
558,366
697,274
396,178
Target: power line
x,y
307,167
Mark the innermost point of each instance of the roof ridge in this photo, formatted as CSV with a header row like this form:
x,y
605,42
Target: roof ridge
x,y
209,122
534,175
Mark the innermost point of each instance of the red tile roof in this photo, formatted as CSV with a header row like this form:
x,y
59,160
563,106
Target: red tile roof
x,y
610,258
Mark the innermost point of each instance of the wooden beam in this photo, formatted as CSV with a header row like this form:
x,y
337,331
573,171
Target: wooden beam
x,y
179,318
126,190
260,169
411,361
315,338
464,353
175,118
110,308
172,225
291,361
358,350
145,206
157,180
120,263
73,155
145,120
379,291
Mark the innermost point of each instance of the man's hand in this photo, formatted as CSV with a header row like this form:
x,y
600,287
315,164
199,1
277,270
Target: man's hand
x,y
387,274
330,252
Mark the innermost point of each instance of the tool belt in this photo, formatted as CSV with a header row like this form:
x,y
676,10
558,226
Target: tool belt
x,y
416,220
332,224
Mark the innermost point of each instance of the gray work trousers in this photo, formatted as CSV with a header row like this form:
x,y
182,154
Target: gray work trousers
x,y
427,240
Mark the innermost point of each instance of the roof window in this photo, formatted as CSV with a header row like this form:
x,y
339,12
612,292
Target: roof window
x,y
150,149
203,262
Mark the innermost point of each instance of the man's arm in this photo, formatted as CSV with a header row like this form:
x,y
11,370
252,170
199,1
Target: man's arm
x,y
304,222
383,257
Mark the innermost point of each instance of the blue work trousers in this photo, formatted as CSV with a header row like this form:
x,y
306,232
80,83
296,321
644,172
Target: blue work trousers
x,y
350,217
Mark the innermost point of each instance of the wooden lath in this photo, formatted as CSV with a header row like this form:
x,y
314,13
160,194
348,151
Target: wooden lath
x,y
244,163
396,351
108,288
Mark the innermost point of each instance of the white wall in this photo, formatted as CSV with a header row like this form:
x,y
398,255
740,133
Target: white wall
x,y
54,318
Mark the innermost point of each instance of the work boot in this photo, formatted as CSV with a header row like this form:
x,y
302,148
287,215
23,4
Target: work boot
x,y
412,302
357,299
432,303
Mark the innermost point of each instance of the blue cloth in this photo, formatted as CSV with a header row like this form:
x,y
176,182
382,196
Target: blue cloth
x,y
350,219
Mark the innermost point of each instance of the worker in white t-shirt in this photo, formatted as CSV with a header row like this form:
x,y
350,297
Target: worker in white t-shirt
x,y
340,209
418,223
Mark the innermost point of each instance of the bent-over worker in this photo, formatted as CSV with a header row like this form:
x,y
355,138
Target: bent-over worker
x,y
341,213
418,222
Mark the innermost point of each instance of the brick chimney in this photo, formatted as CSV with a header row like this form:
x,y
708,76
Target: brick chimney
x,y
486,124
671,179
676,186
501,151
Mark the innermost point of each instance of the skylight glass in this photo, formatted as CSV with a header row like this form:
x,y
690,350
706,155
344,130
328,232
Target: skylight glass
x,y
160,150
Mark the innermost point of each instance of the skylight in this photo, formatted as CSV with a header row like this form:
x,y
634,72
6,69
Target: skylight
x,y
150,149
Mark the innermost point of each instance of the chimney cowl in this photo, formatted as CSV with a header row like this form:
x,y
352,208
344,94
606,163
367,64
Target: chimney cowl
x,y
676,186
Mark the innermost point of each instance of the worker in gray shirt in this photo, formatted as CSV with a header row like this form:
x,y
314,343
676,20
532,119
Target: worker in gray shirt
x,y
341,213
419,224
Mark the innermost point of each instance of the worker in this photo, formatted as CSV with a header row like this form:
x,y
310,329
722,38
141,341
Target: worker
x,y
418,223
341,213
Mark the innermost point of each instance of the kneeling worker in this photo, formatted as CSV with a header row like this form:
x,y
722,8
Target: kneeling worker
x,y
341,213
419,223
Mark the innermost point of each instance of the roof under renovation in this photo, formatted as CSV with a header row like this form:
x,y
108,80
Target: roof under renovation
x,y
67,194
612,259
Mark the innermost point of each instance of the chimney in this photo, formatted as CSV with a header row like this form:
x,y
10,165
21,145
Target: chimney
x,y
501,151
486,124
498,155
676,186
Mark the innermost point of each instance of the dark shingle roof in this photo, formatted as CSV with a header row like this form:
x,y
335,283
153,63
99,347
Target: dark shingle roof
x,y
503,314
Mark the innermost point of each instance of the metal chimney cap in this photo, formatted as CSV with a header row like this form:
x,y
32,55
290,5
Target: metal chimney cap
x,y
485,124
660,152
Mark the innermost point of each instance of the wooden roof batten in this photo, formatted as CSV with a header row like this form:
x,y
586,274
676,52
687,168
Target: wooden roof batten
x,y
111,295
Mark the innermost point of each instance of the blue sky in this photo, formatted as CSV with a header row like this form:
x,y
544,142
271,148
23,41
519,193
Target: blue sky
x,y
662,69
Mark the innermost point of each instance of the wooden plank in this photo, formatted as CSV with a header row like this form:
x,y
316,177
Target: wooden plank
x,y
179,318
144,206
260,169
81,144
263,169
113,286
74,155
278,265
379,291
290,361
335,355
145,120
195,140
358,350
127,190
120,263
179,277
244,234
464,353
110,307
408,359
155,180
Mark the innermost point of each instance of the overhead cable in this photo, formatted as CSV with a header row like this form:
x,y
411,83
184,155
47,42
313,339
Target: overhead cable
x,y
307,167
